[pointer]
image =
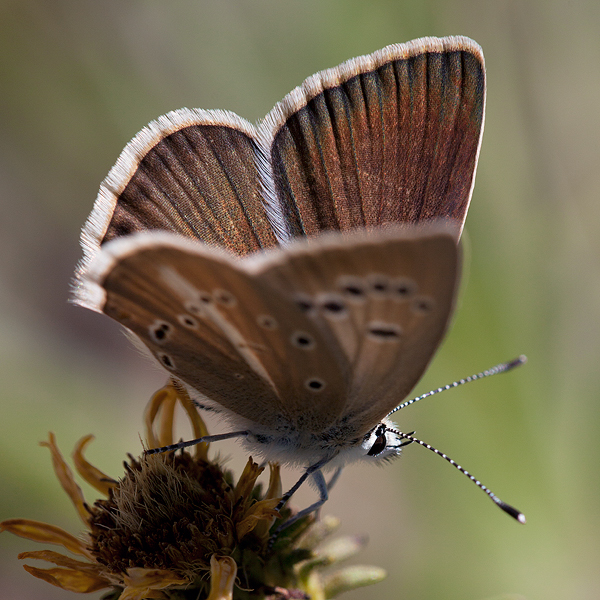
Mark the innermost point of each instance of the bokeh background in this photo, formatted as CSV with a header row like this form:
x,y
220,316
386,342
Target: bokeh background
x,y
78,78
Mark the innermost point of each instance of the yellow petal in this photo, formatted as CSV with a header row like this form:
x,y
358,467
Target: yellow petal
x,y
264,510
274,492
167,416
245,485
43,532
69,579
129,594
67,481
222,578
150,413
95,477
163,403
146,583
200,430
275,488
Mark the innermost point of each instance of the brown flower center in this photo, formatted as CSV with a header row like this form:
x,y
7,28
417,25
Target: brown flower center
x,y
168,512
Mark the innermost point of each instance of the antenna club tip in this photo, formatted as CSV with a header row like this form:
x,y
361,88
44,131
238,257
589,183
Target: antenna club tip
x,y
517,515
520,360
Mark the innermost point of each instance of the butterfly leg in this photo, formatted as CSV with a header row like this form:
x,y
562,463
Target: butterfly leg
x,y
330,484
309,471
205,439
323,496
315,471
334,478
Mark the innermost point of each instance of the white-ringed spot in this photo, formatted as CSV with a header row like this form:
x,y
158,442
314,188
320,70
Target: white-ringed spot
x,y
384,332
403,288
166,361
195,309
303,340
353,288
267,322
224,297
422,305
314,384
378,284
332,305
304,302
159,331
188,321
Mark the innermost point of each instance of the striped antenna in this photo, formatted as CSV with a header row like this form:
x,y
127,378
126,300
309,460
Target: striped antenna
x,y
501,368
507,508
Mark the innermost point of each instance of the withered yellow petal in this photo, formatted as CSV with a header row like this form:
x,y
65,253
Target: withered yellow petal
x,y
95,477
146,583
163,402
264,510
223,571
275,488
44,532
248,478
198,425
150,415
60,560
67,481
167,416
69,579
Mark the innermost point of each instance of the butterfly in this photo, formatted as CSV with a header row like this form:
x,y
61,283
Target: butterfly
x,y
296,277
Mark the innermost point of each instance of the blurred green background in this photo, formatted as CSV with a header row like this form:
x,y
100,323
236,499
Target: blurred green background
x,y
78,78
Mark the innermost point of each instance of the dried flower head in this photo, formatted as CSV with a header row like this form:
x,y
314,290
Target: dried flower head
x,y
177,526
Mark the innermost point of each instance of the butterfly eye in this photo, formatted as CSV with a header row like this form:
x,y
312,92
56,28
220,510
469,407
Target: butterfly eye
x,y
378,446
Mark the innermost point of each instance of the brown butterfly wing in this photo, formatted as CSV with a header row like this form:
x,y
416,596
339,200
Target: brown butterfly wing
x,y
389,137
191,172
222,331
385,296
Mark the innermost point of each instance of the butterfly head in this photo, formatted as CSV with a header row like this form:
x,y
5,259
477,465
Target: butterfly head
x,y
382,443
